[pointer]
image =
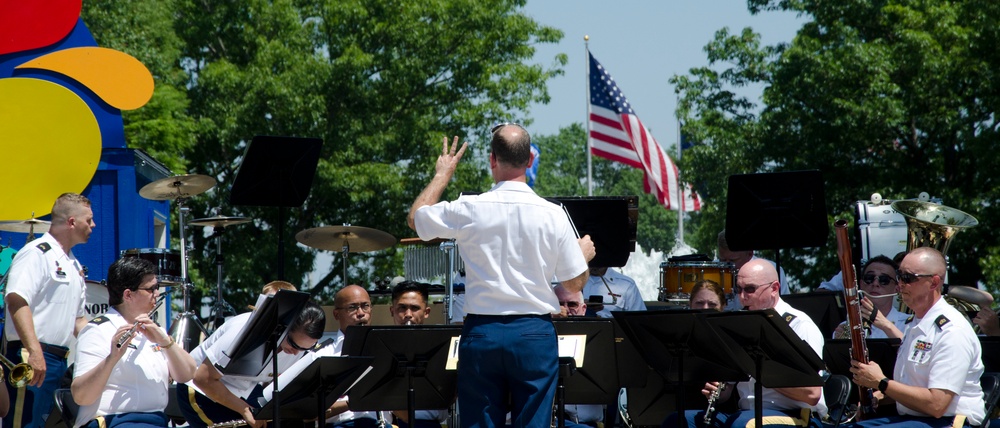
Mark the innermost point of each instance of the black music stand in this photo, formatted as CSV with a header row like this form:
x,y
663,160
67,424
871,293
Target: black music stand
x,y
609,222
826,308
276,172
764,346
590,382
258,342
837,354
680,346
991,352
409,368
758,205
317,387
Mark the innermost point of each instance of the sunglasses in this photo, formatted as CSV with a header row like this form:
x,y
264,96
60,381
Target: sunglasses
x,y
152,289
750,289
570,304
883,280
910,278
296,345
496,127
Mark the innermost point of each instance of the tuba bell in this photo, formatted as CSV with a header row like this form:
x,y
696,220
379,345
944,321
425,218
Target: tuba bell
x,y
934,225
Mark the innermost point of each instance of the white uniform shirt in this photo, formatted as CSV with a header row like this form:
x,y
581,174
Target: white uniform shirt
x,y
52,284
198,353
941,351
804,327
139,381
626,294
240,386
896,317
512,242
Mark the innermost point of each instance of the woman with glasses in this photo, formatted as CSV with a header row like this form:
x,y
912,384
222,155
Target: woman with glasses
x,y
213,398
878,283
124,361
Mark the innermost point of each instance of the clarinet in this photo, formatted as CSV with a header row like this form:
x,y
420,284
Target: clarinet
x,y
859,350
711,403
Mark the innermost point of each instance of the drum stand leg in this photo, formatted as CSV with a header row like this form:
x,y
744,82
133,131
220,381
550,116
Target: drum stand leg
x,y
220,309
186,329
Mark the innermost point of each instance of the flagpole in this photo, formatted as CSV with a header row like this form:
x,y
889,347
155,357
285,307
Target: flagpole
x,y
680,193
590,181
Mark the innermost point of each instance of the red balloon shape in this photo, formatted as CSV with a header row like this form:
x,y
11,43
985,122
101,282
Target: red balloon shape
x,y
33,24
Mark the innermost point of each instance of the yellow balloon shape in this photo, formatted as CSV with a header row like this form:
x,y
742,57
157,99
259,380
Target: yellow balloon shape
x,y
118,78
49,144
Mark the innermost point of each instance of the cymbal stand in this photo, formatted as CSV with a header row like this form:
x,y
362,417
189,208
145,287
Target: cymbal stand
x,y
31,230
186,329
345,251
221,308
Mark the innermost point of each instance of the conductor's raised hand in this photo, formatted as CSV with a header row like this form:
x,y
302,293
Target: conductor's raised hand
x,y
448,161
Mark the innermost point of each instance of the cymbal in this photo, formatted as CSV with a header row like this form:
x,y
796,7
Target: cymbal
x,y
25,226
333,238
179,186
219,221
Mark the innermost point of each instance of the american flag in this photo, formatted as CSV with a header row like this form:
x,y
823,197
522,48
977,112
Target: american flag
x,y
616,133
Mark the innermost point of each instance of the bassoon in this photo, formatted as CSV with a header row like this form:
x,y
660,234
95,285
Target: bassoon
x,y
859,351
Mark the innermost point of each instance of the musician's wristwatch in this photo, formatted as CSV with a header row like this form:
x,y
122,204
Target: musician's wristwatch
x,y
883,384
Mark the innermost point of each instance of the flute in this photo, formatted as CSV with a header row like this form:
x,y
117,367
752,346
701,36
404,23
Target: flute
x,y
128,334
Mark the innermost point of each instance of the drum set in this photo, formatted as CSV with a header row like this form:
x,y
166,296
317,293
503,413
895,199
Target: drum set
x,y
678,278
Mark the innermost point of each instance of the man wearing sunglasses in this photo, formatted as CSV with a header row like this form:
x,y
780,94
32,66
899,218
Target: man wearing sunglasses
x,y
213,397
739,259
757,288
935,382
513,244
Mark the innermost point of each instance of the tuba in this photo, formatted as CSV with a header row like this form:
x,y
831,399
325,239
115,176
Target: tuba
x,y
933,225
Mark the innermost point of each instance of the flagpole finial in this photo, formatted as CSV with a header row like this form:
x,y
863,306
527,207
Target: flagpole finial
x,y
586,37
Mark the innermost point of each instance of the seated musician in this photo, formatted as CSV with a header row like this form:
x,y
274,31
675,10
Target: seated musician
x,y
127,385
577,415
213,397
409,307
707,294
878,282
758,288
936,379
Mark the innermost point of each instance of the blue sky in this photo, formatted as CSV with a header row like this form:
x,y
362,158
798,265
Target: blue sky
x,y
642,43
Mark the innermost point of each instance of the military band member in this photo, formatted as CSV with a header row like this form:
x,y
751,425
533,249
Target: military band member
x,y
409,307
46,293
128,384
935,382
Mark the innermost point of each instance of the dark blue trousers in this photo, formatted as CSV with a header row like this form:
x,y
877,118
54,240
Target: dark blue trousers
x,y
132,420
200,411
30,406
503,356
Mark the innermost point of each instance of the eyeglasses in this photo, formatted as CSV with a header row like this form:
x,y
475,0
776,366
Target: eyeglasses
x,y
496,126
570,304
152,289
883,280
910,278
365,307
750,289
296,345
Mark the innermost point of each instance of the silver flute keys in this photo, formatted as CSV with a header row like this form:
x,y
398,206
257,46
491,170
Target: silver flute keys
x,y
131,331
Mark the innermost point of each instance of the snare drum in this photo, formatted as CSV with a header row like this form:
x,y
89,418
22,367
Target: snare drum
x,y
167,262
678,278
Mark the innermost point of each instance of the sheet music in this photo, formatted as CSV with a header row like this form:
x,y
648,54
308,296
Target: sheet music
x,y
452,363
573,345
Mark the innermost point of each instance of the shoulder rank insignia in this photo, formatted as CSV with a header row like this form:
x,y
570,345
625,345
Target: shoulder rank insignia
x,y
44,246
941,321
908,319
788,317
321,345
99,320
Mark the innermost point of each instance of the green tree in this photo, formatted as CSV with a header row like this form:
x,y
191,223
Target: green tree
x,y
895,97
562,171
379,81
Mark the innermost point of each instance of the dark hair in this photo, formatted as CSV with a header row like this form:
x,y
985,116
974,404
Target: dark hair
x,y
311,321
410,286
708,284
880,259
127,273
512,153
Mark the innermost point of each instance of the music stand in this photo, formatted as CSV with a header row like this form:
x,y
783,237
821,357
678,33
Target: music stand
x,y
764,346
258,342
680,346
991,352
409,368
276,172
590,381
609,222
826,308
837,354
757,205
317,387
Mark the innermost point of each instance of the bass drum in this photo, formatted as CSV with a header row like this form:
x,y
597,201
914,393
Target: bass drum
x,y
97,299
881,230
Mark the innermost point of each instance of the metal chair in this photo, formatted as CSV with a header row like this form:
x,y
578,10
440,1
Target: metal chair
x,y
836,389
68,409
990,381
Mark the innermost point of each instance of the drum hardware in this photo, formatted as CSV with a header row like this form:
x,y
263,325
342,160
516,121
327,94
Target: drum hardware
x,y
346,239
29,226
422,261
186,329
130,332
166,261
221,308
